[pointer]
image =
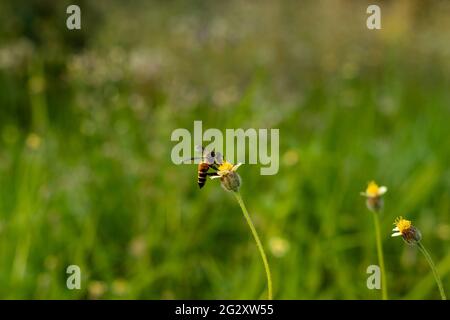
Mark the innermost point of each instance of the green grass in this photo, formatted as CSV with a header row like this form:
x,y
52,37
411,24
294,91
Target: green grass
x,y
97,188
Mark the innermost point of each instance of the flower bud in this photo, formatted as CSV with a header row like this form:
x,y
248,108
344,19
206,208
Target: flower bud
x,y
409,233
412,235
231,181
375,204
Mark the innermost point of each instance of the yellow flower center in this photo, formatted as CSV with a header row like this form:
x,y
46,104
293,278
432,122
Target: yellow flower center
x,y
403,225
372,189
225,166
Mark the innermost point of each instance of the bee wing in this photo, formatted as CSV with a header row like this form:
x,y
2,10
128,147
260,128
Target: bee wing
x,y
199,148
191,159
219,158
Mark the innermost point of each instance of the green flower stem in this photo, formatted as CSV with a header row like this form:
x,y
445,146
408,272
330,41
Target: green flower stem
x,y
433,268
376,220
258,244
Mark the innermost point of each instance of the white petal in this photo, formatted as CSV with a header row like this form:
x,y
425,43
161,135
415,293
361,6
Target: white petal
x,y
382,190
214,177
236,166
396,229
396,234
363,194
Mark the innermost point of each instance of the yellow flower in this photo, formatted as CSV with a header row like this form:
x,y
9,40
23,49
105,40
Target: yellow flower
x,y
405,229
373,194
231,181
225,168
401,226
373,190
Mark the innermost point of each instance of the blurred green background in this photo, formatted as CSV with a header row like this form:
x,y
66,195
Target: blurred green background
x,y
85,124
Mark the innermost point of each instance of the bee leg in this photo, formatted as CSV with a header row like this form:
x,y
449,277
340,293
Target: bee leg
x,y
212,174
215,176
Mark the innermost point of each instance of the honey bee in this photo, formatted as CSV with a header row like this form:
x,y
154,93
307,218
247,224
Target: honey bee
x,y
209,160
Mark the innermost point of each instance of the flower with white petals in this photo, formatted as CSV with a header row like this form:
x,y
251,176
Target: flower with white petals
x,y
230,180
373,190
373,194
406,230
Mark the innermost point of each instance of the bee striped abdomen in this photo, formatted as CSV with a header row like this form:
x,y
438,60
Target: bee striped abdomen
x,y
202,173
